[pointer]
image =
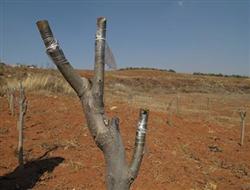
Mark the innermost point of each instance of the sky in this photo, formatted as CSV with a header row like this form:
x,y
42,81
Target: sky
x,y
209,36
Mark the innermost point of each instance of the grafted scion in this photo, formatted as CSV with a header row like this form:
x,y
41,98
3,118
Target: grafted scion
x,y
98,81
142,127
139,143
57,56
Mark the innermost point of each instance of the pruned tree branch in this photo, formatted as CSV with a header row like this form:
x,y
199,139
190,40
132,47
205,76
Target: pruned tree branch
x,y
56,54
98,80
140,140
106,134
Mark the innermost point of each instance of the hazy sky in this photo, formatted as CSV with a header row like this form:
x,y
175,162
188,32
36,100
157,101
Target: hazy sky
x,y
184,35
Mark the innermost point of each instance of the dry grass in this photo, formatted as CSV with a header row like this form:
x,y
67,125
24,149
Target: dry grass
x,y
151,89
40,82
222,109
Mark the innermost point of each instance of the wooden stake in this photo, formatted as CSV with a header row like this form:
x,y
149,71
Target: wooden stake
x,y
22,111
242,134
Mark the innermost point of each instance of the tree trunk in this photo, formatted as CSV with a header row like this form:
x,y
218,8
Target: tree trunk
x,y
105,132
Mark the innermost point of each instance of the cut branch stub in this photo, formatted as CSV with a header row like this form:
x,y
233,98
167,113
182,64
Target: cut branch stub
x,y
56,54
142,127
98,81
139,143
46,32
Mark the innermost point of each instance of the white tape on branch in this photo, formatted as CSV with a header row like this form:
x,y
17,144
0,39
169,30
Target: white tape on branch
x,y
53,46
99,36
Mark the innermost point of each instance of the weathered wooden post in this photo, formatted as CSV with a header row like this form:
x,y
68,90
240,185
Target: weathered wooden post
x,y
22,111
105,132
242,134
178,104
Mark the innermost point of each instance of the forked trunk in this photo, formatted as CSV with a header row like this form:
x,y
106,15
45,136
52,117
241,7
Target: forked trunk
x,y
105,132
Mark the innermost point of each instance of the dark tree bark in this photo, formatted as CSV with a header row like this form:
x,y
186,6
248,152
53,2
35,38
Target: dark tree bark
x,y
105,132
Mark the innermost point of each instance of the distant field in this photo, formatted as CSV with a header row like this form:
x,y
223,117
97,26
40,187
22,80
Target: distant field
x,y
136,80
192,142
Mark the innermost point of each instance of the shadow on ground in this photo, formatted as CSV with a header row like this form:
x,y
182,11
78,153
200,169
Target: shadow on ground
x,y
26,178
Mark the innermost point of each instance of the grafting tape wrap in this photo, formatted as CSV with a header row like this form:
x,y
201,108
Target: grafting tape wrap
x,y
98,36
101,28
142,127
56,53
52,46
45,32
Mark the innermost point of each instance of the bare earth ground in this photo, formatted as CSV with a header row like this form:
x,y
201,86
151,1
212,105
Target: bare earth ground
x,y
192,140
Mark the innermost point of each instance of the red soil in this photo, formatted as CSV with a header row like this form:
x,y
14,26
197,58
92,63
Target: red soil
x,y
185,151
190,155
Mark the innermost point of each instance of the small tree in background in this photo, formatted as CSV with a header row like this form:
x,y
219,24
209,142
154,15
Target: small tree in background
x,y
104,131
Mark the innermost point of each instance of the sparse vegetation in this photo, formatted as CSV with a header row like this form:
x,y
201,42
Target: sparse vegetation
x,y
48,80
45,80
210,146
147,68
219,75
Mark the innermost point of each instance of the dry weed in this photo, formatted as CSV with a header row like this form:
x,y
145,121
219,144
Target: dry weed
x,y
41,82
